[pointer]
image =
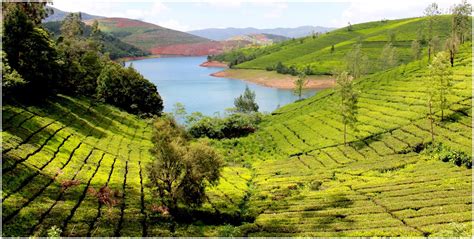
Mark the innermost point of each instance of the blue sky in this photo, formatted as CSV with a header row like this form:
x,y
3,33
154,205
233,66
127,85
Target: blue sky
x,y
187,16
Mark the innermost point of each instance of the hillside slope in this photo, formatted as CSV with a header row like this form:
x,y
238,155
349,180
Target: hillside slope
x,y
143,35
316,52
114,46
59,15
294,177
305,182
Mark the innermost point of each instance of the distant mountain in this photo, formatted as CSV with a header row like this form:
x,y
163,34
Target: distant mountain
x,y
219,34
259,39
144,35
59,15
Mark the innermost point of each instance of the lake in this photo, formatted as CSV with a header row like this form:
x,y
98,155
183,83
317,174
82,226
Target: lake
x,y
181,79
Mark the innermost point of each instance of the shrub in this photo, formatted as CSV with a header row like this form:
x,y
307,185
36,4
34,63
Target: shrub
x,y
233,126
446,154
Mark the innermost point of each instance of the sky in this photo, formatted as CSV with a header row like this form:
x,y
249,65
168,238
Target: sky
x,y
193,15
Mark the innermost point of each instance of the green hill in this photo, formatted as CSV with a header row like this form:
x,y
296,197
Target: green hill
x,y
143,35
315,52
114,46
294,177
305,182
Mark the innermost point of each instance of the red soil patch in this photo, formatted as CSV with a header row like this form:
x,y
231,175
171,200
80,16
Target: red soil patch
x,y
197,49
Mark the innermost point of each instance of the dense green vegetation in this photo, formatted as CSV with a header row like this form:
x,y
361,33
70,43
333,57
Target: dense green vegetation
x,y
292,177
110,44
144,35
320,55
75,64
76,166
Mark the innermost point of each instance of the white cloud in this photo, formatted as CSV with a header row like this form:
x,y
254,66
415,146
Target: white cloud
x,y
364,11
277,9
173,24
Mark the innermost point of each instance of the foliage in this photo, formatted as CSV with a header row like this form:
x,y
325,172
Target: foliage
x,y
416,49
300,83
440,83
12,82
232,126
245,103
431,12
349,98
181,170
127,89
29,50
388,58
441,152
461,20
54,232
356,61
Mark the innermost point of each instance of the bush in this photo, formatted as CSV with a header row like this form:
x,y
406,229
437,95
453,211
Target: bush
x,y
233,126
446,154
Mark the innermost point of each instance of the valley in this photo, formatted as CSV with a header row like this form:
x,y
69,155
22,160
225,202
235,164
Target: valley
x,y
119,127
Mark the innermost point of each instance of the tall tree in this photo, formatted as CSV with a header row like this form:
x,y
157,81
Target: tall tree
x,y
416,49
440,83
245,103
356,61
431,12
388,58
461,22
348,106
452,45
300,83
28,47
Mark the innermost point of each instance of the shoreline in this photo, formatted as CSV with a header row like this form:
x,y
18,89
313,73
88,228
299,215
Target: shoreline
x,y
214,64
275,80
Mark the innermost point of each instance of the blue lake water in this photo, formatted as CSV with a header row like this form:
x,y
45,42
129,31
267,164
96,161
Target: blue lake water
x,y
181,79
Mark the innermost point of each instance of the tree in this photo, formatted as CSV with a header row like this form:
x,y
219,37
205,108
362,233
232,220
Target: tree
x,y
348,106
431,12
29,49
128,89
300,83
416,49
332,49
461,22
392,36
356,61
180,171
440,83
388,57
349,27
179,111
245,103
11,80
452,45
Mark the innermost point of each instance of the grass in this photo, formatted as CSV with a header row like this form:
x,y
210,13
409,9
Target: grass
x,y
293,177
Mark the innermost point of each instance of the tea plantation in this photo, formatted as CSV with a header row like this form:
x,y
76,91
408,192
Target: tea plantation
x,y
293,177
316,53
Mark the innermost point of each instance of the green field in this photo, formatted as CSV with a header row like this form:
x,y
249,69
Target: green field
x,y
293,177
316,52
